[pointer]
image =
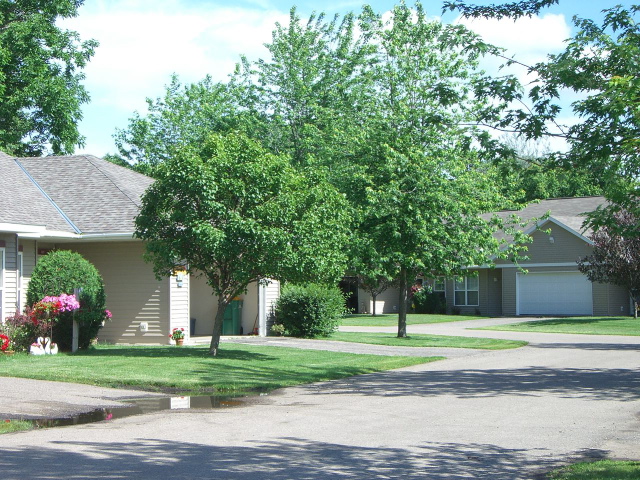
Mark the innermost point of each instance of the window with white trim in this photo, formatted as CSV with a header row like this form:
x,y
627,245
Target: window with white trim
x,y
1,285
438,284
466,291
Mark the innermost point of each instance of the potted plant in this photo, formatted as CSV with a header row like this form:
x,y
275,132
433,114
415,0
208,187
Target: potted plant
x,y
177,335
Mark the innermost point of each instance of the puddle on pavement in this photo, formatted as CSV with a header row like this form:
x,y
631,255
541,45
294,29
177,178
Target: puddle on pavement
x,y
140,406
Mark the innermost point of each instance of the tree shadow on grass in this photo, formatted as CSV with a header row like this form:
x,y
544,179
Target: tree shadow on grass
x,y
592,383
282,459
228,353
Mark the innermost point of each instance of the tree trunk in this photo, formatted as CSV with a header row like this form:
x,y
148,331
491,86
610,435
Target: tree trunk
x,y
402,314
374,305
217,325
635,309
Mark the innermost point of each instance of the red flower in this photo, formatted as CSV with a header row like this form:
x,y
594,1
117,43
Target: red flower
x,y
5,342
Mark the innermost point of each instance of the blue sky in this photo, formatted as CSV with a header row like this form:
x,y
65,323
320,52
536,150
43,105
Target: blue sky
x,y
142,42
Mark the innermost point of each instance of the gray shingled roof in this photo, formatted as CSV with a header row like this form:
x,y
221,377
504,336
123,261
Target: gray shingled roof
x,y
568,211
22,202
96,196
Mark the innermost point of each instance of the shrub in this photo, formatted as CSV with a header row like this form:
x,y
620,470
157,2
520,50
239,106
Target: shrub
x,y
23,331
310,311
426,300
62,271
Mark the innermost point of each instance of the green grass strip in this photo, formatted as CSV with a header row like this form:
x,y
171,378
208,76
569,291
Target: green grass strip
x,y
578,325
388,320
10,426
237,368
426,341
603,469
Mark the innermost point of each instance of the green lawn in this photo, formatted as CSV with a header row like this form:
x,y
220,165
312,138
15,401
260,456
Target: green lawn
x,y
388,320
236,369
584,325
603,469
9,426
426,341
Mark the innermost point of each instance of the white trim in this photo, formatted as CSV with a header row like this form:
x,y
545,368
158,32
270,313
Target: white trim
x,y
532,265
20,227
262,309
539,225
19,276
87,237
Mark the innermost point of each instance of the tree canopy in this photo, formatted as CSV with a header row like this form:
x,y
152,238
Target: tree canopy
x,y
238,214
40,79
389,111
600,64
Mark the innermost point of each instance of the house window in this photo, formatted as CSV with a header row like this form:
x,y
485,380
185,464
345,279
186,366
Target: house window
x,y
1,285
438,284
466,291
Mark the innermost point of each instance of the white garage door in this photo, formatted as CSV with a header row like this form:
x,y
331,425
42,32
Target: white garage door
x,y
560,293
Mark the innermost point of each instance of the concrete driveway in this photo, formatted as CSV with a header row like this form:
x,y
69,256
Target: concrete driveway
x,y
499,414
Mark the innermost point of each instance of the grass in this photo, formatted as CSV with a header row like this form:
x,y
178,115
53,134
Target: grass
x,y
426,341
388,320
8,426
582,325
236,369
603,469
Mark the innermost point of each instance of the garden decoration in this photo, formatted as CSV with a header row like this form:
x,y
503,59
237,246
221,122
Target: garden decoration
x,y
47,311
178,335
43,346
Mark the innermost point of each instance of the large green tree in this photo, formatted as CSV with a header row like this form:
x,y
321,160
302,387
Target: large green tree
x,y
237,214
599,63
183,117
426,165
40,80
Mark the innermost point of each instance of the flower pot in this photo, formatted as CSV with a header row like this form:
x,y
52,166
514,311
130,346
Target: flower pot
x,y
179,342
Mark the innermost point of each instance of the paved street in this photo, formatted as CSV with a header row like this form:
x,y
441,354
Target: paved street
x,y
495,414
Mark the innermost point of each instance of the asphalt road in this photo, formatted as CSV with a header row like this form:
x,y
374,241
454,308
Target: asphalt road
x,y
510,414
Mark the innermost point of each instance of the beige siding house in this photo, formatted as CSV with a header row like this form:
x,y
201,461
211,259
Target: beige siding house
x,y
88,205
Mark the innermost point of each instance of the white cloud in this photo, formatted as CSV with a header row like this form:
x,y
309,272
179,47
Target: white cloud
x,y
142,45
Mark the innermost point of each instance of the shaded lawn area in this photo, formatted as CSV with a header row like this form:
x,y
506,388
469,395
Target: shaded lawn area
x,y
391,320
609,469
582,325
236,369
426,341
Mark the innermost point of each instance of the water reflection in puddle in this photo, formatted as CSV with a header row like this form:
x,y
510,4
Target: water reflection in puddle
x,y
141,406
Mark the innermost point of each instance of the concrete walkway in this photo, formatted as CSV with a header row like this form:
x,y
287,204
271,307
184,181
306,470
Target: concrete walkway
x,y
508,414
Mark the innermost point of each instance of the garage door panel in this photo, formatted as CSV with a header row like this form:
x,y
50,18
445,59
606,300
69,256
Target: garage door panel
x,y
560,293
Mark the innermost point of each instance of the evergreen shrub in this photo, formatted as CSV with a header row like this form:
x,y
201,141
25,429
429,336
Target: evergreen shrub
x,y
62,271
310,311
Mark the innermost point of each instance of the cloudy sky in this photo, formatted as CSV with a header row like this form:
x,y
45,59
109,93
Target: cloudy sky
x,y
142,42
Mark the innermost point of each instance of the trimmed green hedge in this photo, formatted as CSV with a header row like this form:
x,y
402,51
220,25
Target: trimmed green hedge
x,y
62,271
310,311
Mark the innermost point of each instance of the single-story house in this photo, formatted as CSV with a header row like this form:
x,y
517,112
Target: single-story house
x,y
552,284
88,205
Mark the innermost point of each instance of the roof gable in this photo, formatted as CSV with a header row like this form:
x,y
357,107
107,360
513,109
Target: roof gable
x,y
568,213
81,191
